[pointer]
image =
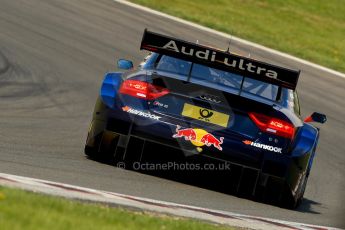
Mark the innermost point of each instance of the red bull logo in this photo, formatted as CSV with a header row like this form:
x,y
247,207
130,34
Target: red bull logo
x,y
188,134
199,137
209,140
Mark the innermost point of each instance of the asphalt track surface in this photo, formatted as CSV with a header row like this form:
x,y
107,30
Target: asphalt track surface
x,y
53,55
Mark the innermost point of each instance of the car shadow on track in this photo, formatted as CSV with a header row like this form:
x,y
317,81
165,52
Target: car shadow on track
x,y
307,206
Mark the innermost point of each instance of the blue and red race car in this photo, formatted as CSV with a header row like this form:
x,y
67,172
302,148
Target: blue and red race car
x,y
211,104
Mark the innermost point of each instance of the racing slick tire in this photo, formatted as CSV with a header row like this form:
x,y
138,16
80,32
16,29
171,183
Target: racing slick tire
x,y
291,201
301,191
100,144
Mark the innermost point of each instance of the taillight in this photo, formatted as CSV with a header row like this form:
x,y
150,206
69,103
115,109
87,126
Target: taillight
x,y
141,89
273,125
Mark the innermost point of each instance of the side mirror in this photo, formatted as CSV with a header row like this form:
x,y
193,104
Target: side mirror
x,y
316,117
124,64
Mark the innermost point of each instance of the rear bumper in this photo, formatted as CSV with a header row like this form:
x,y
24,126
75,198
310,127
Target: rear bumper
x,y
162,132
251,173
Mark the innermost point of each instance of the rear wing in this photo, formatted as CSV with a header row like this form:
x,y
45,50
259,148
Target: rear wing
x,y
219,59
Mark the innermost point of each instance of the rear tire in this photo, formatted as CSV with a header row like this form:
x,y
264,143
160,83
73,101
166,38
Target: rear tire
x,y
101,147
292,202
98,156
302,190
90,152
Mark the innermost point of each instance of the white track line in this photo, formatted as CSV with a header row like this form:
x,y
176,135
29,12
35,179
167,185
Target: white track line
x,y
228,36
140,203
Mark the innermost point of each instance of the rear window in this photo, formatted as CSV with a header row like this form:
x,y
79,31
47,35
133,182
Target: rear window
x,y
215,76
232,82
260,88
174,65
210,77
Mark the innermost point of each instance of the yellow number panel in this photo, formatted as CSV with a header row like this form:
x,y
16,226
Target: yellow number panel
x,y
206,115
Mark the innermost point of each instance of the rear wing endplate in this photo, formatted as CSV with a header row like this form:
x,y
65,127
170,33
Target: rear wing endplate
x,y
219,59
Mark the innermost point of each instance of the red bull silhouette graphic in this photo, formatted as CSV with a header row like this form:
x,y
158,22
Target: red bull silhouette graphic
x,y
209,140
188,134
199,137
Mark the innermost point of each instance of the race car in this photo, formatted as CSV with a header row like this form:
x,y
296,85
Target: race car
x,y
211,104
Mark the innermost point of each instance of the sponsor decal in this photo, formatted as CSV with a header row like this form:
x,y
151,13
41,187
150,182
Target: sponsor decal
x,y
159,104
199,137
205,113
263,146
210,98
140,113
137,86
211,56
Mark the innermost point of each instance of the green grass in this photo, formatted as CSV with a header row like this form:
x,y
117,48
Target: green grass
x,y
26,210
310,29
